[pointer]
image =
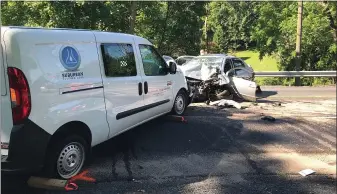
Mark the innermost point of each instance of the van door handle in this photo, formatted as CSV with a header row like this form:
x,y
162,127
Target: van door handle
x,y
145,88
140,88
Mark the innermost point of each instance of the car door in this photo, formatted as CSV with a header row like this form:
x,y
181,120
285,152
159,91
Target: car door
x,y
158,97
122,83
227,65
241,81
241,69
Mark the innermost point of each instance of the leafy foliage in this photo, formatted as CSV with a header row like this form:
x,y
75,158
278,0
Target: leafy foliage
x,y
231,23
183,28
172,26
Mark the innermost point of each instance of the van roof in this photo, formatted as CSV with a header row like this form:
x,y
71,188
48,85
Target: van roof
x,y
70,29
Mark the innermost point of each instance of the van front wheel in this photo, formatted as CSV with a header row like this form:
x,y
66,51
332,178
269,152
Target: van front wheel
x,y
180,103
68,157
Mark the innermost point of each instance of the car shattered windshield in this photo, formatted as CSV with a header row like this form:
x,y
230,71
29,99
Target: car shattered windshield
x,y
202,67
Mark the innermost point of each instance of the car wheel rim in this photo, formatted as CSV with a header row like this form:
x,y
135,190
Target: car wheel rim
x,y
179,104
70,160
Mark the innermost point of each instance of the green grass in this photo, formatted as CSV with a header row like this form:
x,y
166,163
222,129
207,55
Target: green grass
x,y
268,63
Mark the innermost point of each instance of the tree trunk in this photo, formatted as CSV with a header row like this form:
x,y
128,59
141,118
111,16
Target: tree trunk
x,y
133,12
165,25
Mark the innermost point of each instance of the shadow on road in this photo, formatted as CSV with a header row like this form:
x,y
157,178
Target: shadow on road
x,y
209,131
191,152
266,94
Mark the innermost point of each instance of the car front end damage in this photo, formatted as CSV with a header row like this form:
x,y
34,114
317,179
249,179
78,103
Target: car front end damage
x,y
210,84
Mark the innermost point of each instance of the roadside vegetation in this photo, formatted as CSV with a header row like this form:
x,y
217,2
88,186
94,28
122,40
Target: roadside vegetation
x,y
263,32
269,63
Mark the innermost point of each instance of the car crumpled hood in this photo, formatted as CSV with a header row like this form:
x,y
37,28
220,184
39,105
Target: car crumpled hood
x,y
201,72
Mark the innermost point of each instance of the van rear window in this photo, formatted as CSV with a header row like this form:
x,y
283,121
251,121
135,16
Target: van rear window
x,y
119,60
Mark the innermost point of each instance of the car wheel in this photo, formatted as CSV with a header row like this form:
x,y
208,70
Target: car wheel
x,y
67,157
180,103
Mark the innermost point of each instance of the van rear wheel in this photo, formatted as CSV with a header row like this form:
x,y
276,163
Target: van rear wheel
x,y
180,103
67,157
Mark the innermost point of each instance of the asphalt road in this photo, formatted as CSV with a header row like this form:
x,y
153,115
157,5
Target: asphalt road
x,y
221,150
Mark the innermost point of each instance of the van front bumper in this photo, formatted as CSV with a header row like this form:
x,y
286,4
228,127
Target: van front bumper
x,y
27,149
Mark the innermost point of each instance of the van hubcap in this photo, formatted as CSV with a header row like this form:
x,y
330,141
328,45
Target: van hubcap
x,y
70,160
179,104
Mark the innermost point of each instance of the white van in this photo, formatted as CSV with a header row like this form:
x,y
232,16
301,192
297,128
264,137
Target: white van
x,y
64,91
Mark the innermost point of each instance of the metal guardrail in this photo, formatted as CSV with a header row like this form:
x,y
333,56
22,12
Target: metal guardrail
x,y
295,73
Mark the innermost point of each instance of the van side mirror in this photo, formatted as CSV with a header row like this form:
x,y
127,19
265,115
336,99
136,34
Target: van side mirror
x,y
172,68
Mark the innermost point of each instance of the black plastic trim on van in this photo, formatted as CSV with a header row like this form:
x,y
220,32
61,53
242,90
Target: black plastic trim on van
x,y
139,109
27,148
80,90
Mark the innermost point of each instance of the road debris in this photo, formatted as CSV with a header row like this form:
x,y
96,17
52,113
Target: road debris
x,y
277,104
140,167
141,191
306,172
268,118
224,102
136,181
83,177
71,187
176,118
47,183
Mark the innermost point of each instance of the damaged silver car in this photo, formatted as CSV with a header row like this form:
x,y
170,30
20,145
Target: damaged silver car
x,y
184,59
217,76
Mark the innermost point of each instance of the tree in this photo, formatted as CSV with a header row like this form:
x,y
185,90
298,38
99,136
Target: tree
x,y
184,28
133,10
178,27
275,33
10,14
231,23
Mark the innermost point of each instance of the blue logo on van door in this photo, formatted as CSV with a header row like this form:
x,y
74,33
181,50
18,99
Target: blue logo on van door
x,y
70,58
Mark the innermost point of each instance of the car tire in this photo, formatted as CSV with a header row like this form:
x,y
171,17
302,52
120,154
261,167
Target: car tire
x,y
67,157
180,103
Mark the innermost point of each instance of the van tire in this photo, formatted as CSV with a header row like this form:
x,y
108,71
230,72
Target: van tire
x,y
75,148
180,103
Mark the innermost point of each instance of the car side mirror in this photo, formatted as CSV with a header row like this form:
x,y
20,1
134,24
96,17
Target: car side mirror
x,y
172,68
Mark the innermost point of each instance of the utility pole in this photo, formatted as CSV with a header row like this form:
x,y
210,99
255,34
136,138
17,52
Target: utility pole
x,y
206,27
298,41
206,33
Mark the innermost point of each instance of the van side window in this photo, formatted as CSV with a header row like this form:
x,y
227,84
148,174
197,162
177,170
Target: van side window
x,y
153,63
119,60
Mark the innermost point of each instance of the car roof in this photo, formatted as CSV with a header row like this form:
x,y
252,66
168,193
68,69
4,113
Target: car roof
x,y
213,55
166,57
216,55
186,56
